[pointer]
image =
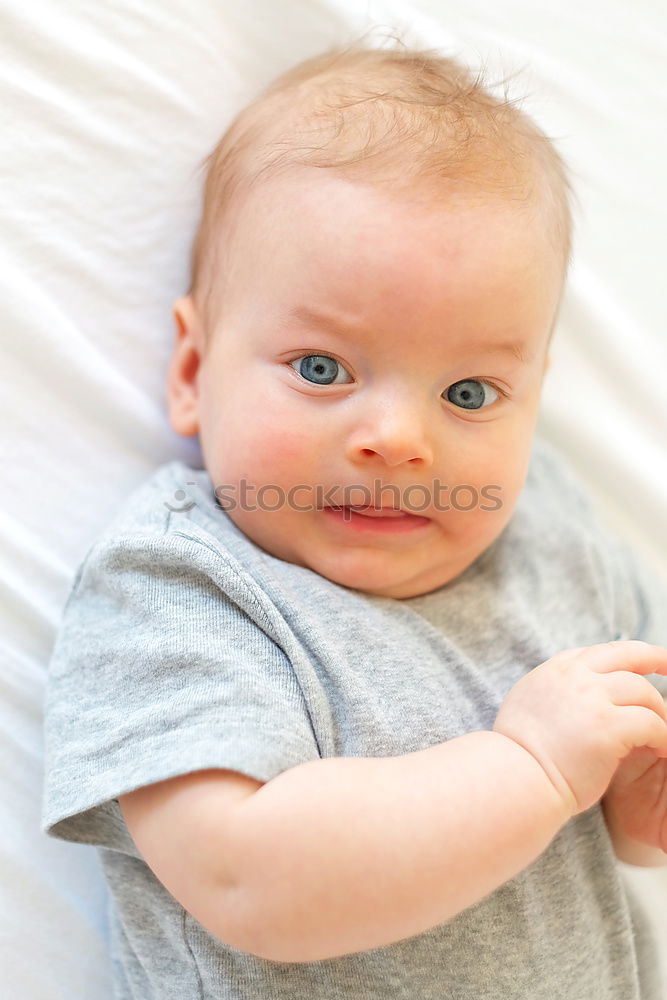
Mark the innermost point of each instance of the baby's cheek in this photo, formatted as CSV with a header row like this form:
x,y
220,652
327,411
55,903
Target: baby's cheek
x,y
480,496
291,447
272,451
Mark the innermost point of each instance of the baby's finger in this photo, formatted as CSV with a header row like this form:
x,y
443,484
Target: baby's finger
x,y
643,728
625,654
627,688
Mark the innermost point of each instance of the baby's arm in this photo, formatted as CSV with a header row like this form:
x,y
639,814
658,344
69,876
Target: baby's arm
x,y
346,854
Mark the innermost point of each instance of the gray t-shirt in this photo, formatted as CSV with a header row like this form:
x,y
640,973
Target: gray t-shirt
x,y
184,646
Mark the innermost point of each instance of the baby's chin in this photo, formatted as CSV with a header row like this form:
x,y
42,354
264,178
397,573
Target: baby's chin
x,y
381,577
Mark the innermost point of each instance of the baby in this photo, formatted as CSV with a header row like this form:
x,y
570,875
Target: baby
x,y
359,710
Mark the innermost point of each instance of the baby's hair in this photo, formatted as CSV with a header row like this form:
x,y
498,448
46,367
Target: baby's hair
x,y
408,120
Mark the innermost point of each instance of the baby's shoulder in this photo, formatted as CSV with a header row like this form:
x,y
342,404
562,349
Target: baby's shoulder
x,y
169,531
175,502
159,503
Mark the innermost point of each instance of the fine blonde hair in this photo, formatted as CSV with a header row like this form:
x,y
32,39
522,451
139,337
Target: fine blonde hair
x,y
399,118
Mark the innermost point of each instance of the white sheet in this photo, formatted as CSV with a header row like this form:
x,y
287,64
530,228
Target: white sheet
x,y
107,110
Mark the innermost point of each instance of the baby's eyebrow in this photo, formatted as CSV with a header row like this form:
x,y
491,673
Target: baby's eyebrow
x,y
514,347
314,317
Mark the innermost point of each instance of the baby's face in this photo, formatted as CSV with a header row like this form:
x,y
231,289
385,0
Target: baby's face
x,y
366,354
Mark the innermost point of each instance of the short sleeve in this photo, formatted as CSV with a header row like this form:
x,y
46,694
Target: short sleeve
x,y
166,662
636,595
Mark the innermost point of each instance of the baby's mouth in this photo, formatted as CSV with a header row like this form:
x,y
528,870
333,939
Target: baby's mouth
x,y
369,511
376,520
378,511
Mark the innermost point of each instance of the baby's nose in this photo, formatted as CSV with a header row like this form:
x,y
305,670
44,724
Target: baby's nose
x,y
393,433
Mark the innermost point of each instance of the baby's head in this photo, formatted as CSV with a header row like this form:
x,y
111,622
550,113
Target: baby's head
x,y
377,275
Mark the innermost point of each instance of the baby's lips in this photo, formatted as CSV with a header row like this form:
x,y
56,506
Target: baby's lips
x,y
370,511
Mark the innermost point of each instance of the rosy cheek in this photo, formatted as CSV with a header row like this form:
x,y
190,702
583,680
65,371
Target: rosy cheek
x,y
267,450
289,450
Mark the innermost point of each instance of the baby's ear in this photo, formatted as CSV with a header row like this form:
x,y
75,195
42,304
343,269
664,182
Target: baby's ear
x,y
183,372
188,323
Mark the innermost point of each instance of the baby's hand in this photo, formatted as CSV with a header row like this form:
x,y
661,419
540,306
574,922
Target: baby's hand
x,y
637,797
584,711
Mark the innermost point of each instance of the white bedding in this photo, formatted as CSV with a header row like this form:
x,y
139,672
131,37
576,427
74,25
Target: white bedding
x,y
107,110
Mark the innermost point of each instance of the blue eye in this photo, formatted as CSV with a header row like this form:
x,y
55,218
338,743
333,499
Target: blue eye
x,y
469,394
319,369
